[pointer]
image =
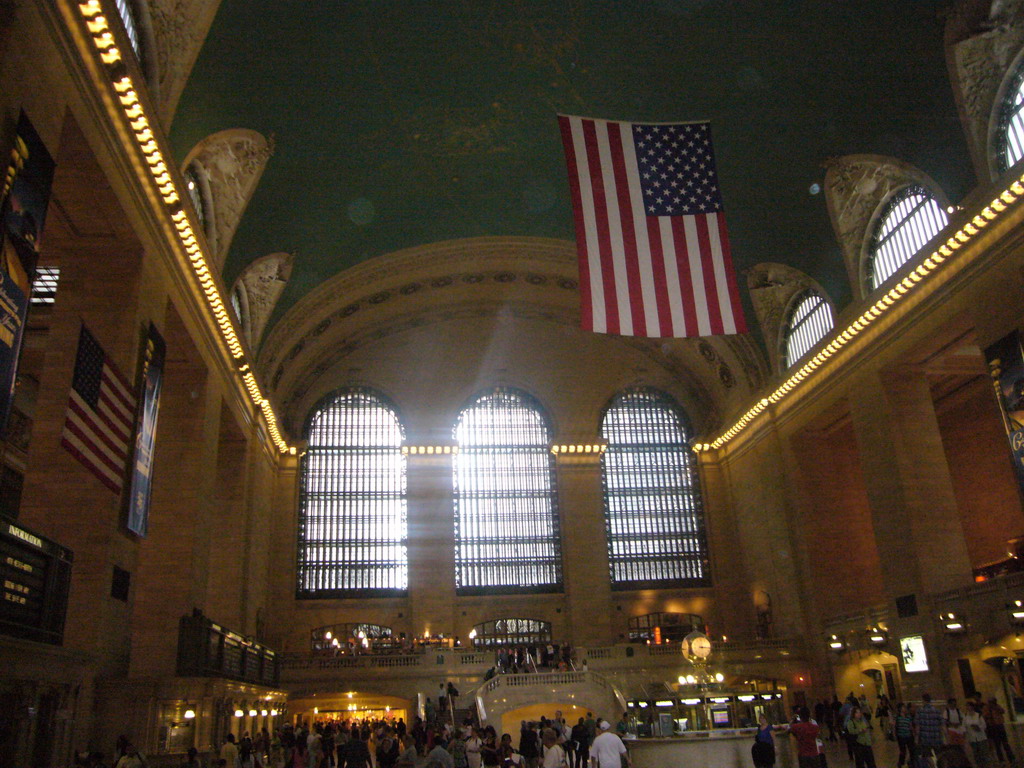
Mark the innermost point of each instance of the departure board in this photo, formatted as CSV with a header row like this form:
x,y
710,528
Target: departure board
x,y
35,573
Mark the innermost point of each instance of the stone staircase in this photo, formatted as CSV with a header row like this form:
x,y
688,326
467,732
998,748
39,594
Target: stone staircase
x,y
505,693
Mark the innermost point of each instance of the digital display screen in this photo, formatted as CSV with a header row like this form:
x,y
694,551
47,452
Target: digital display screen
x,y
913,654
720,716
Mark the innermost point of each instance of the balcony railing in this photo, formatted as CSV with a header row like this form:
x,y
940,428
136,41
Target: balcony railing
x,y
545,680
470,661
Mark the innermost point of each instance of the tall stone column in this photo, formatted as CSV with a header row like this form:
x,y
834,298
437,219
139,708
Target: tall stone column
x,y
589,601
917,525
918,531
172,572
431,544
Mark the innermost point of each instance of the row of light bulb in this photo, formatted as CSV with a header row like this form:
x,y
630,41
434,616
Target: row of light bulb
x,y
252,713
897,293
127,95
692,680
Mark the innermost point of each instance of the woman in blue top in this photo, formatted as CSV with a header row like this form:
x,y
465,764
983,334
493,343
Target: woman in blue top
x,y
763,751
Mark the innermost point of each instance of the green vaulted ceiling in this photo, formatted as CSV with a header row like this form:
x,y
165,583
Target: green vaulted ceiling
x,y
404,122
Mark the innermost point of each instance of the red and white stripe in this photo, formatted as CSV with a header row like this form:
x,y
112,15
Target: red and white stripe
x,y
101,438
642,275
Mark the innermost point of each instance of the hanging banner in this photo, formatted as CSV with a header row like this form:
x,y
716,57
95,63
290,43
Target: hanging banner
x,y
1006,365
151,381
23,204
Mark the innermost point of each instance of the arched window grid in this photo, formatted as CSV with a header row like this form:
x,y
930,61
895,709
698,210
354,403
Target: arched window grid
x,y
662,627
338,636
507,535
352,500
195,195
908,222
1010,135
511,631
654,517
810,321
127,14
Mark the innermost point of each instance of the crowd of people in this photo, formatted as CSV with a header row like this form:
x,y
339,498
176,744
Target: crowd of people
x,y
923,733
391,743
547,743
535,657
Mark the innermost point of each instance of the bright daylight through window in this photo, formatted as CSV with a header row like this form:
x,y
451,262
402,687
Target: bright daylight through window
x,y
506,521
352,501
653,511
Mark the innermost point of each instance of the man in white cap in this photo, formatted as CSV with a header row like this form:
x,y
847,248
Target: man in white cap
x,y
608,749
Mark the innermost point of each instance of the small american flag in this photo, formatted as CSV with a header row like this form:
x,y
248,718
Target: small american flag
x,y
650,232
101,414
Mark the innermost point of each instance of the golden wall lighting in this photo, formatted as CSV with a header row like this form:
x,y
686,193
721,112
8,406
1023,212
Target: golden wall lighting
x,y
584,448
952,623
127,97
842,337
429,450
1016,611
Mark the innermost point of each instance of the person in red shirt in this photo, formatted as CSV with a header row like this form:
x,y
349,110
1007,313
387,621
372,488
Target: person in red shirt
x,y
806,734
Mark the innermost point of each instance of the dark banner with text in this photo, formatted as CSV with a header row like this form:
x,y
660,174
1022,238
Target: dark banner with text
x,y
23,204
1006,364
151,382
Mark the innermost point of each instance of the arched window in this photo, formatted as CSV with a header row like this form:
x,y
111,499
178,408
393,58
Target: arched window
x,y
653,513
511,632
506,519
808,323
1010,136
909,220
335,637
126,10
193,186
664,627
352,500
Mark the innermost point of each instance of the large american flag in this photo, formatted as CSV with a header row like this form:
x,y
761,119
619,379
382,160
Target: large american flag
x,y
653,250
100,415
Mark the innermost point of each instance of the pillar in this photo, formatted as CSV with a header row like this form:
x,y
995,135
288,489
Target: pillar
x,y
431,539
589,601
172,571
918,532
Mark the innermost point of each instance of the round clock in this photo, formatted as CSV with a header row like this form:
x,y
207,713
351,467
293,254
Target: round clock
x,y
700,646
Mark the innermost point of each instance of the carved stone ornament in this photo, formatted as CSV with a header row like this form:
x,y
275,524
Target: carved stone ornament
x,y
981,64
233,161
855,188
261,284
772,290
477,284
179,29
